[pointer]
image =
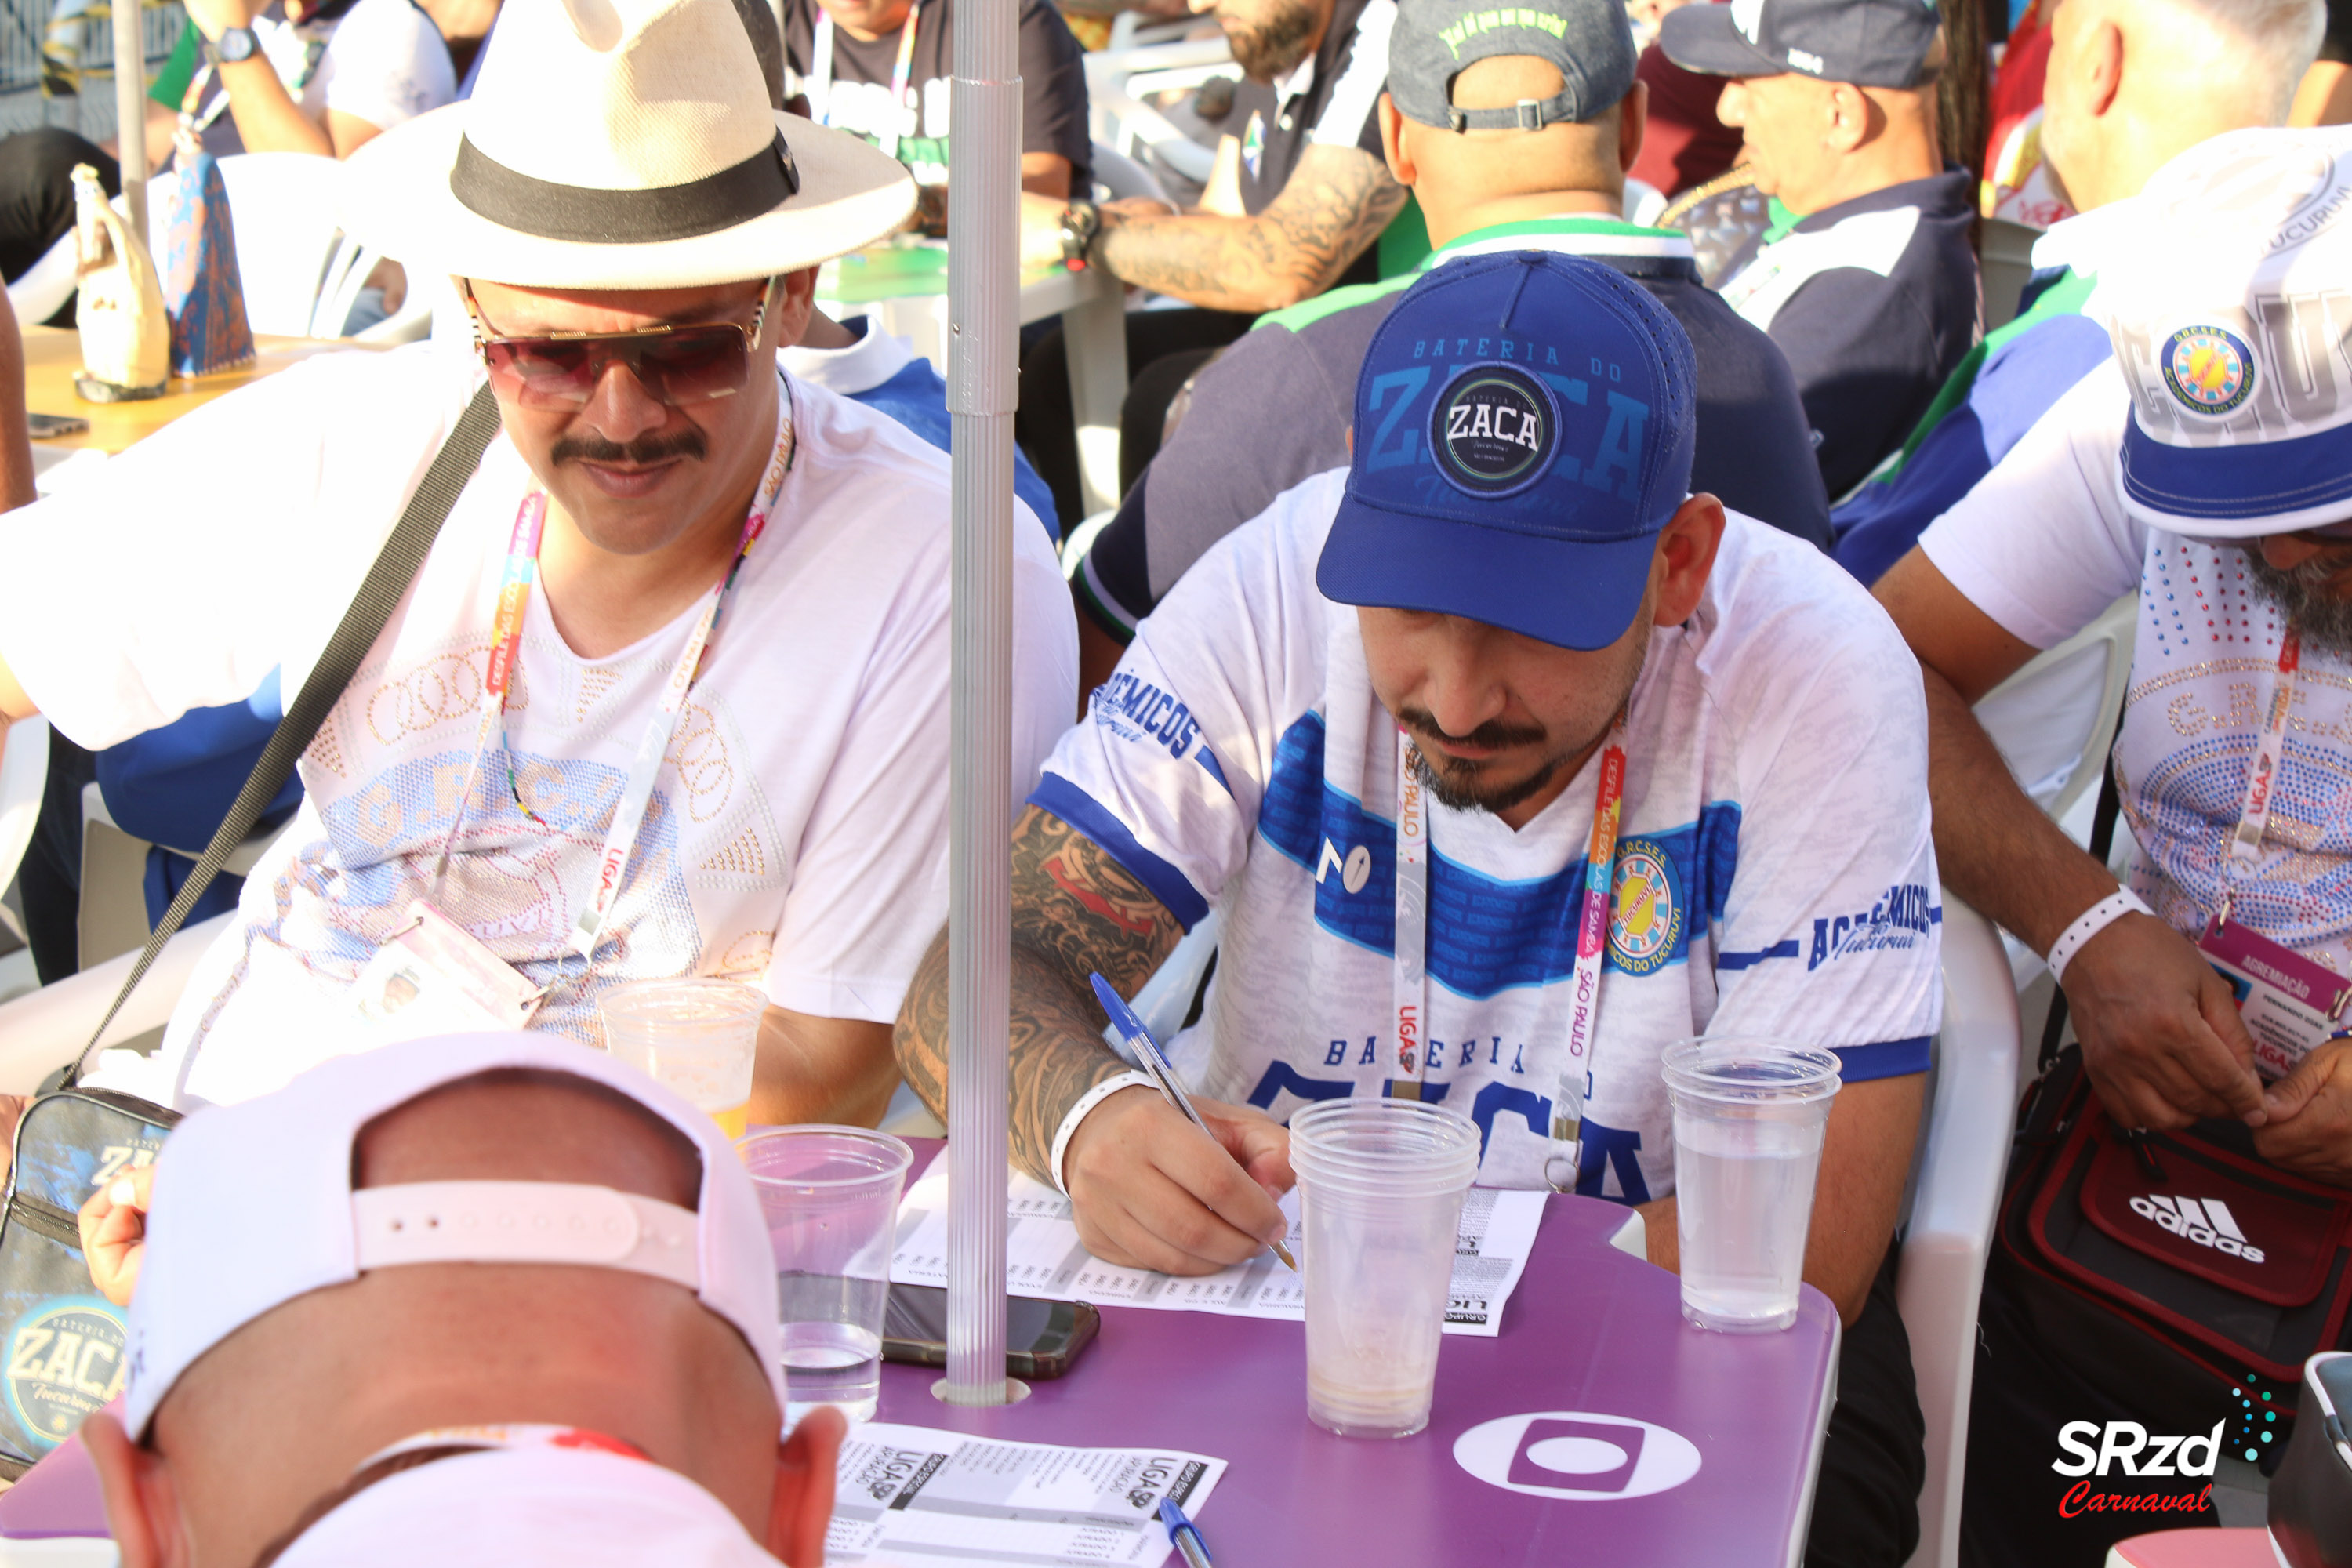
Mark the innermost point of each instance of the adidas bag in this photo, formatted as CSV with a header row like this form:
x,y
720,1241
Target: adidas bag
x,y
2183,1255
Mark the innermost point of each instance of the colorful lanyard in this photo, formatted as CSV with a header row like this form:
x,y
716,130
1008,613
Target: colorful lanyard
x,y
2269,752
820,76
1412,974
506,652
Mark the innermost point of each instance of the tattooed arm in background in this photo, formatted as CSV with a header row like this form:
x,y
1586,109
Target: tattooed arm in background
x,y
1335,203
1148,1189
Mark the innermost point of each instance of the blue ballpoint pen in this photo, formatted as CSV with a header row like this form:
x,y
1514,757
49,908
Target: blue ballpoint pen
x,y
1156,1066
1183,1534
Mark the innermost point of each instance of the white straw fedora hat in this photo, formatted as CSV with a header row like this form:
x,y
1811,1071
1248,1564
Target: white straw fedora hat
x,y
619,144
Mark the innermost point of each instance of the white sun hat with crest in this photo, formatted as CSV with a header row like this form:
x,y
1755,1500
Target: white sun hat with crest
x,y
619,144
2232,324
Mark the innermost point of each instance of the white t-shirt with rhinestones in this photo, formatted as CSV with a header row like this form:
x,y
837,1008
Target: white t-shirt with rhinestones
x,y
797,834
2042,544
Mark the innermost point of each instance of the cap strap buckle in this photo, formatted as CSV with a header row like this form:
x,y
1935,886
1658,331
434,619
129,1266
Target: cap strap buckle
x,y
1527,114
525,1222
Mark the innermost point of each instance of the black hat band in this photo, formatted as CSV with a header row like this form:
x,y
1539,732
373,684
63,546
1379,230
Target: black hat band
x,y
591,215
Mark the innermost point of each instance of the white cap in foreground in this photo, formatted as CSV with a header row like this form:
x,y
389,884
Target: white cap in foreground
x,y
254,1206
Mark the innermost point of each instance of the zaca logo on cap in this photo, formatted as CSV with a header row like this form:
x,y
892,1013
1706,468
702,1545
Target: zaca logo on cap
x,y
1495,429
2209,369
1748,15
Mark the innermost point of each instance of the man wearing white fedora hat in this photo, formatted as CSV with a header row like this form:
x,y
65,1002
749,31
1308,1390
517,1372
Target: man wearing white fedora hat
x,y
669,696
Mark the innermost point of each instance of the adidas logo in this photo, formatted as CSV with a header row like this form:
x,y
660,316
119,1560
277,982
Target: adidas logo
x,y
2206,1222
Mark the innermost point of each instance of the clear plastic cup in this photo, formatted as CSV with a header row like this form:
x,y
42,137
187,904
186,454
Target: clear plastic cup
x,y
831,1196
700,1036
1381,1184
1748,1119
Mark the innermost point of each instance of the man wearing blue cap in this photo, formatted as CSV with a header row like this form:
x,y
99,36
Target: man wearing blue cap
x,y
1505,620
1867,277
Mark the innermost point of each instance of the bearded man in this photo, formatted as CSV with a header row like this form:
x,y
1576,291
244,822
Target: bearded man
x,y
1507,621
2207,465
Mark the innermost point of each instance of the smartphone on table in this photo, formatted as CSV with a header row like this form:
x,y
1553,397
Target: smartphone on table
x,y
48,426
1041,1338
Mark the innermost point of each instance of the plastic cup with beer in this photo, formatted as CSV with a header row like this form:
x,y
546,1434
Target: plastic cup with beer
x,y
696,1036
1749,1115
1381,1184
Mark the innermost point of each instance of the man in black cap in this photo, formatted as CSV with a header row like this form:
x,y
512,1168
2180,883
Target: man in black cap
x,y
1865,277
1549,118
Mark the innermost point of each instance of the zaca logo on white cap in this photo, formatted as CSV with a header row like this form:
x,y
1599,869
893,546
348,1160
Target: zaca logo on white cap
x,y
2208,1222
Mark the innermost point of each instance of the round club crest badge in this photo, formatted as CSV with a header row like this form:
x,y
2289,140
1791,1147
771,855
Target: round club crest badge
x,y
1645,906
64,1360
2210,369
1494,430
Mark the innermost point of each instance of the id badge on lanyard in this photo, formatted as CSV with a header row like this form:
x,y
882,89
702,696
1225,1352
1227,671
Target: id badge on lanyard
x,y
432,976
2290,1004
1411,972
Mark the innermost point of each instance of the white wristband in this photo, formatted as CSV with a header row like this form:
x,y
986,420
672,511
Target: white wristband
x,y
1087,1102
2089,923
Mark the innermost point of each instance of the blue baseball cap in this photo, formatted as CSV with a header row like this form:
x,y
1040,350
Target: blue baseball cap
x,y
1524,425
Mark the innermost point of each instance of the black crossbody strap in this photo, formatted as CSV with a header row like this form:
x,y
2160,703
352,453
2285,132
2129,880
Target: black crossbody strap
x,y
396,565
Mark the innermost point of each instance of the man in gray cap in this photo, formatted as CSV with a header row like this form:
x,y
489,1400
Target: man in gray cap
x,y
1865,277
1514,129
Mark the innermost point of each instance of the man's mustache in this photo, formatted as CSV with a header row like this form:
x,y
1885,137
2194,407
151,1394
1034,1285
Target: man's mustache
x,y
644,451
1493,735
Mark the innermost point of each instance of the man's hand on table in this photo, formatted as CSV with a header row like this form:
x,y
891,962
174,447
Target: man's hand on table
x,y
2162,1036
1041,224
114,1233
2309,1127
1041,231
1150,1192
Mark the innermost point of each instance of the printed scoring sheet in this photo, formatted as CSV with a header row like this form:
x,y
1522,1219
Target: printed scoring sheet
x,y
1045,1257
910,1496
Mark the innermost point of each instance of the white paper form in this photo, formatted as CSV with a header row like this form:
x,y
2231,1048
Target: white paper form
x,y
910,1496
1045,1257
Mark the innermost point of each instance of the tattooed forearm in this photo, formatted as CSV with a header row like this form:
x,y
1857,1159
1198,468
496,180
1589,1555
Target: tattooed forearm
x,y
1075,910
1336,202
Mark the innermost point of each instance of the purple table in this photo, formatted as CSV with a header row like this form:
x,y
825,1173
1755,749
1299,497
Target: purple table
x,y
1593,1345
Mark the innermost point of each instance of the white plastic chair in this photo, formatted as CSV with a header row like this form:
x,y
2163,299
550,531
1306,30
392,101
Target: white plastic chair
x,y
1955,1195
1122,176
2055,717
45,286
41,1032
24,773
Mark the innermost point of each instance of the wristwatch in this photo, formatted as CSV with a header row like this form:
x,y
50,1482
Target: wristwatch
x,y
1081,222
234,44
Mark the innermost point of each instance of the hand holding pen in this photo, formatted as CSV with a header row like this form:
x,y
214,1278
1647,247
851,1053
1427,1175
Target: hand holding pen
x,y
1153,1187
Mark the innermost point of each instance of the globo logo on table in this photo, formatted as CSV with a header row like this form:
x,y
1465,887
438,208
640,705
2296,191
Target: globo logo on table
x,y
1577,1454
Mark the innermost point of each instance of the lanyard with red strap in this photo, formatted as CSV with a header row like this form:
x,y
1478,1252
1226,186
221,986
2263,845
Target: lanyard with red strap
x,y
1411,972
506,652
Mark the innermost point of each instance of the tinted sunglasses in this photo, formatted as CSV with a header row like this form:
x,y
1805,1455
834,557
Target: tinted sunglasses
x,y
699,363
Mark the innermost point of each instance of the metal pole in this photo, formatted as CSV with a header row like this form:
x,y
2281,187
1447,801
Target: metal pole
x,y
131,114
983,327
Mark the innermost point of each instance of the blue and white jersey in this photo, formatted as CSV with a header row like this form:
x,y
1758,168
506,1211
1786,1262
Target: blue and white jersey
x,y
1774,870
